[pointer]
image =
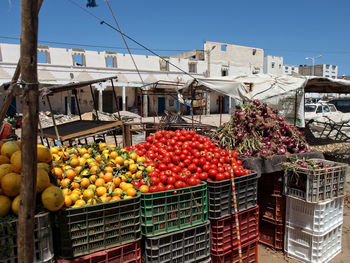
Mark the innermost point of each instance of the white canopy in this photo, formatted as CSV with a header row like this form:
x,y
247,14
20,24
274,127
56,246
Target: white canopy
x,y
263,86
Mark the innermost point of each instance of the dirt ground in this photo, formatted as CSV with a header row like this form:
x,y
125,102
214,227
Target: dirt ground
x,y
266,255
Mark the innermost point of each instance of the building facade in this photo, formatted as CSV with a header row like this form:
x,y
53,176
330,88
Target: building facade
x,y
290,69
321,70
273,65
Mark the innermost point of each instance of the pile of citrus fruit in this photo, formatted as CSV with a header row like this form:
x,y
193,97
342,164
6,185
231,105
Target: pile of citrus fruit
x,y
97,173
10,179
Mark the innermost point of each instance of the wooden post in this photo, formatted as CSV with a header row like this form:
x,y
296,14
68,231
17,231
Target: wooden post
x,y
116,99
30,107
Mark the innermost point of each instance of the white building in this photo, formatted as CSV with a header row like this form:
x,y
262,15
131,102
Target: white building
x,y
322,70
273,65
290,69
60,66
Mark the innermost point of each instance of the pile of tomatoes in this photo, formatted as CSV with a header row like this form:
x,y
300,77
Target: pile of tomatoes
x,y
183,158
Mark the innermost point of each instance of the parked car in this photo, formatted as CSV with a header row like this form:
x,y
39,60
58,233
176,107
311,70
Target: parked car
x,y
342,104
323,112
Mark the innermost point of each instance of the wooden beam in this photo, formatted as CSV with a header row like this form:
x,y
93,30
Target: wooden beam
x,y
30,107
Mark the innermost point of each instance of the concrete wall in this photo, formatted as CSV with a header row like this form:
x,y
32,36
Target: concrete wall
x,y
289,69
234,55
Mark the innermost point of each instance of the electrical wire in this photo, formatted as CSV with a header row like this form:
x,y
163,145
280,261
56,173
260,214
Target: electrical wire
x,y
95,46
128,37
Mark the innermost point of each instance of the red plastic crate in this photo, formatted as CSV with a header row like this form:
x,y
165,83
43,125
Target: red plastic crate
x,y
271,183
271,234
224,235
249,254
130,253
272,207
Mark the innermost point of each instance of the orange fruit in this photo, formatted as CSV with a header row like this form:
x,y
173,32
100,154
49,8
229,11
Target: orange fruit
x,y
88,194
133,156
113,155
68,201
66,191
54,150
82,161
65,182
116,181
118,191
70,173
93,178
74,162
144,189
101,190
133,168
99,182
75,185
11,183
108,169
86,156
92,186
115,198
85,182
79,203
105,198
102,145
75,197
78,169
94,169
131,192
91,202
119,160
58,172
108,177
138,175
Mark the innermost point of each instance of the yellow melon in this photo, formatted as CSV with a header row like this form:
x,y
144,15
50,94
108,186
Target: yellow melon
x,y
5,205
11,184
4,159
42,180
16,161
8,148
52,198
44,154
5,169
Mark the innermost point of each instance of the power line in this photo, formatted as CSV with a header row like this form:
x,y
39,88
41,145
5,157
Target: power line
x,y
102,22
95,46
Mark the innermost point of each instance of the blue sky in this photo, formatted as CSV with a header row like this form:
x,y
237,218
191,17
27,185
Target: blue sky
x,y
292,29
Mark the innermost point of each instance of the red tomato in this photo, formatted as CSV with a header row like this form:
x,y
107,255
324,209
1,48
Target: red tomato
x,y
212,173
221,169
163,178
162,167
239,162
153,189
198,170
160,187
203,176
171,180
169,187
227,175
220,177
206,168
192,181
136,184
154,180
179,184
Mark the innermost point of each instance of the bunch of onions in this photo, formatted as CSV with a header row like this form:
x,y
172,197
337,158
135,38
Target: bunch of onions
x,y
256,129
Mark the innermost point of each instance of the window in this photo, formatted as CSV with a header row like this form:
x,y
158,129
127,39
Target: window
x,y
192,67
326,109
43,57
286,67
334,67
254,52
332,108
292,68
223,47
224,72
164,65
319,109
333,77
310,108
327,66
273,65
327,76
111,62
78,60
280,66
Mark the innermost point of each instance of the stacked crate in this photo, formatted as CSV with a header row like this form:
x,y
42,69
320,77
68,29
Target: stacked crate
x,y
43,246
175,225
106,232
314,212
224,240
272,206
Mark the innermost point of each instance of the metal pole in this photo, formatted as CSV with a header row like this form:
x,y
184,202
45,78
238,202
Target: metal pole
x,y
76,99
115,98
94,101
53,119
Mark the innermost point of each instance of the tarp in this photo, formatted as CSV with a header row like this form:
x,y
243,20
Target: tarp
x,y
262,86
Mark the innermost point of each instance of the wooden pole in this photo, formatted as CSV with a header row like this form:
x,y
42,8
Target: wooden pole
x,y
15,78
30,107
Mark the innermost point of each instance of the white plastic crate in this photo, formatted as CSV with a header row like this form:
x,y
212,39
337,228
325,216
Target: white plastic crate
x,y
43,246
315,219
316,185
312,248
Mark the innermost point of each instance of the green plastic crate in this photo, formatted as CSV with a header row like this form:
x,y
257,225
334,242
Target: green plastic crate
x,y
81,231
169,211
